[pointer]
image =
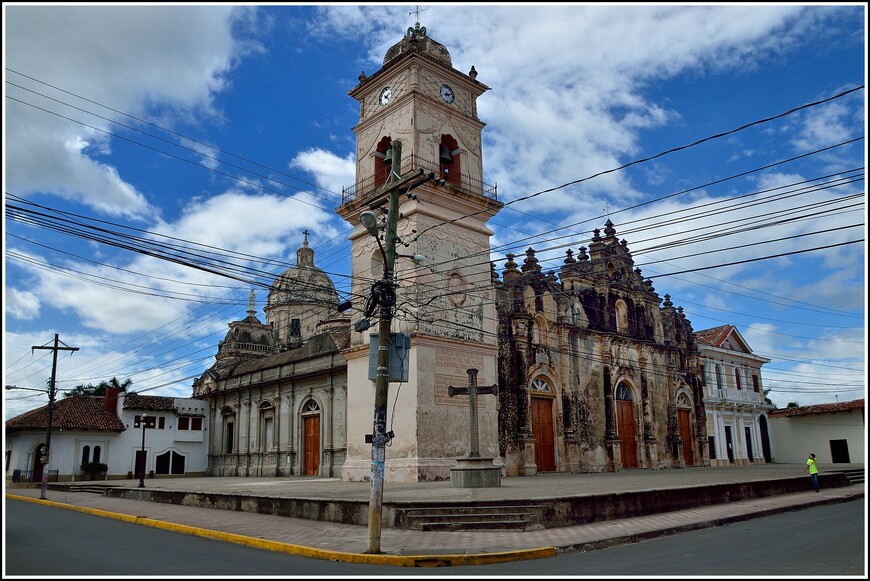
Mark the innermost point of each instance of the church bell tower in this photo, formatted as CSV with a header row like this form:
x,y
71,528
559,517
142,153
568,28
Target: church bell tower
x,y
444,304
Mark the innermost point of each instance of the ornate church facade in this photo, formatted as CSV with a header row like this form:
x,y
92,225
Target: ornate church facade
x,y
591,373
595,372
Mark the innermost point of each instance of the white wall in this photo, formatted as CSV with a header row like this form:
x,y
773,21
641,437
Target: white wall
x,y
117,450
793,438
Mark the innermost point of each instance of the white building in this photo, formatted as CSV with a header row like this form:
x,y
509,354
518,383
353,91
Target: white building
x,y
834,432
109,430
738,431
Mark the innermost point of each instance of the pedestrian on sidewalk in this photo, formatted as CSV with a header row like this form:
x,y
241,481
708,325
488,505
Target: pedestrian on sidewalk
x,y
813,470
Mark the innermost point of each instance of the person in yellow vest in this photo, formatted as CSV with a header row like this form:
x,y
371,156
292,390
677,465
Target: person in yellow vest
x,y
813,470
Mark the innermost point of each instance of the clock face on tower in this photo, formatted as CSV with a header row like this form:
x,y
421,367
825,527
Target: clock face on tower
x,y
447,93
384,98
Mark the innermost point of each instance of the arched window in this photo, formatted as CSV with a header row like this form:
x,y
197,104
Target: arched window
x,y
539,332
382,163
719,377
623,392
170,462
267,425
540,386
86,454
229,420
683,401
621,317
96,453
449,161
738,381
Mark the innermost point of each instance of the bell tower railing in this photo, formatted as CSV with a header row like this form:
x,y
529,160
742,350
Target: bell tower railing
x,y
370,186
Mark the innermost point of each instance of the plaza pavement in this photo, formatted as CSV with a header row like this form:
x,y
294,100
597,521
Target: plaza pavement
x,y
403,547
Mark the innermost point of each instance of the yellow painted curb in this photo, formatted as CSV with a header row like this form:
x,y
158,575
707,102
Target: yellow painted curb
x,y
370,559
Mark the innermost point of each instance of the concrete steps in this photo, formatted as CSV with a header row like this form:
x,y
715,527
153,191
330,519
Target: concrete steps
x,y
855,476
93,487
472,518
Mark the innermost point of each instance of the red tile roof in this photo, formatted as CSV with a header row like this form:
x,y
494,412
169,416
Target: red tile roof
x,y
149,403
822,408
715,336
77,412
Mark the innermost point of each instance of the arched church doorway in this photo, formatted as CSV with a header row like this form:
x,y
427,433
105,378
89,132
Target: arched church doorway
x,y
625,426
542,426
684,424
311,439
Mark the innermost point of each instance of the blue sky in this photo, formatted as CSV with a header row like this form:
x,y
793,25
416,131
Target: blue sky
x,y
228,128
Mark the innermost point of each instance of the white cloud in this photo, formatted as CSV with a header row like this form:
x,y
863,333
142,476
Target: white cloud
x,y
21,304
330,171
129,52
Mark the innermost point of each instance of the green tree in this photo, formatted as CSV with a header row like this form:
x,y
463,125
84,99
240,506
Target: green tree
x,y
100,388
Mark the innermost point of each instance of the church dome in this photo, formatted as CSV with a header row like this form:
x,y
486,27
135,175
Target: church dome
x,y
303,283
417,41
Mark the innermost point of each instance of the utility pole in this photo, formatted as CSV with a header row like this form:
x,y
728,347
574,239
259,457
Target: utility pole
x,y
380,438
52,389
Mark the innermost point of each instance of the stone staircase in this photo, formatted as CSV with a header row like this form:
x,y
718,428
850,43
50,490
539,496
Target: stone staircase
x,y
472,518
855,475
86,486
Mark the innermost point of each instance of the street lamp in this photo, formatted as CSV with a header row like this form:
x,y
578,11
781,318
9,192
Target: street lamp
x,y
142,472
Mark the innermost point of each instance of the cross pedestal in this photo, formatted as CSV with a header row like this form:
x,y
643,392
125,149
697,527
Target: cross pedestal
x,y
474,471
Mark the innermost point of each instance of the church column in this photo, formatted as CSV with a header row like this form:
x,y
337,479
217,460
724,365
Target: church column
x,y
279,426
719,433
741,435
700,418
213,438
611,439
291,430
328,420
649,436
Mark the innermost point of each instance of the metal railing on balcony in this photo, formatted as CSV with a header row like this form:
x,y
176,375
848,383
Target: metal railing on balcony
x,y
250,347
363,188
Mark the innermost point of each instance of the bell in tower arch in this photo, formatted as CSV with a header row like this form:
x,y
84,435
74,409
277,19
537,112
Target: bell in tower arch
x,y
444,156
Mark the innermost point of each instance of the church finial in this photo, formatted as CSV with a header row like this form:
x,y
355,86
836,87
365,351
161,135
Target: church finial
x,y
252,310
417,32
305,255
417,11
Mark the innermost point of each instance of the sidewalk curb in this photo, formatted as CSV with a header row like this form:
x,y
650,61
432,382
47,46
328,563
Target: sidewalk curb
x,y
370,559
439,560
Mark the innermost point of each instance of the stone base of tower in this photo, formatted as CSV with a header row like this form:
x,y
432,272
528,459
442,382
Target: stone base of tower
x,y
401,470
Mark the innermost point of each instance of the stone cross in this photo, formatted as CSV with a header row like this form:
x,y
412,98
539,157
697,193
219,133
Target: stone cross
x,y
472,391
